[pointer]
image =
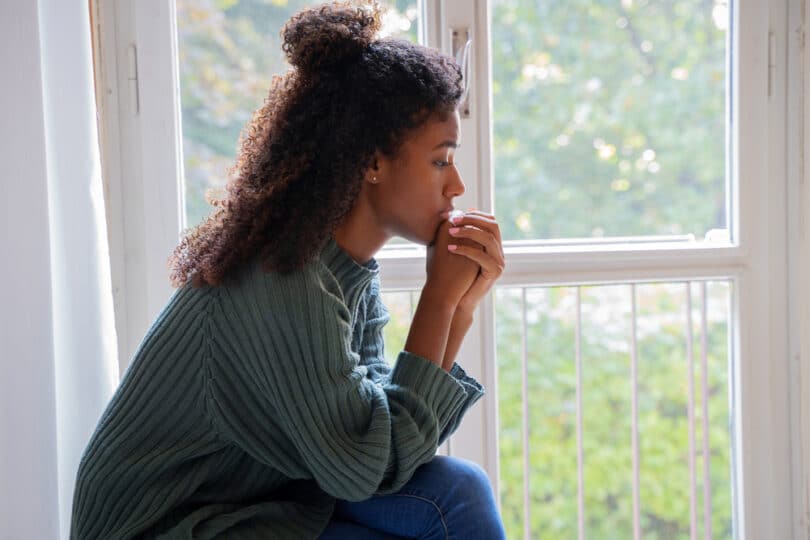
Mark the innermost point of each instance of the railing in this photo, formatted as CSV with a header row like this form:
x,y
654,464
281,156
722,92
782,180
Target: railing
x,y
628,331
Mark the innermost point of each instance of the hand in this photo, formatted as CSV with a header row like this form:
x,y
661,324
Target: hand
x,y
483,231
449,275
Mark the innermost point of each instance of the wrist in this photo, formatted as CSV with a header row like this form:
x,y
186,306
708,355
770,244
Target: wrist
x,y
460,325
463,316
438,298
430,327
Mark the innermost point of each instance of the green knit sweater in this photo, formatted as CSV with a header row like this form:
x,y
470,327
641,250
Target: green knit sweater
x,y
250,407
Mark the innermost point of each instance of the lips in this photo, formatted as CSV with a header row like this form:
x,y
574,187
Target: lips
x,y
446,212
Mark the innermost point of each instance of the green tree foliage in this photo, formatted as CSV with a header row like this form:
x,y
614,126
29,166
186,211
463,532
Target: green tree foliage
x,y
609,117
229,51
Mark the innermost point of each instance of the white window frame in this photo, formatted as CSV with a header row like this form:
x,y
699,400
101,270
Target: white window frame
x,y
768,261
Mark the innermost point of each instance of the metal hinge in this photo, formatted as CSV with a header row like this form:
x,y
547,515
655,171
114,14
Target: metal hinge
x,y
803,169
132,78
771,60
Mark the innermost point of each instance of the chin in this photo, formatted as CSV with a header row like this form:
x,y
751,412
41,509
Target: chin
x,y
430,236
419,239
422,233
423,237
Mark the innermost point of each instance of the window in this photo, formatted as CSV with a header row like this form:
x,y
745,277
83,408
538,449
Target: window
x,y
635,353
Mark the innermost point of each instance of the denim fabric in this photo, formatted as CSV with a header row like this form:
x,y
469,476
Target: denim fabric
x,y
447,498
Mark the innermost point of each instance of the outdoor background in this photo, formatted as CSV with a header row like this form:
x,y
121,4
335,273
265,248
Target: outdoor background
x,y
609,120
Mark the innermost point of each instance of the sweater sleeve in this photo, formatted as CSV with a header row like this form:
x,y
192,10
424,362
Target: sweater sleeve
x,y
372,356
286,387
372,345
474,391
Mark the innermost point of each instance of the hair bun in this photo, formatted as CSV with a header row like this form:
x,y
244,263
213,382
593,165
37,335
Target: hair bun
x,y
329,35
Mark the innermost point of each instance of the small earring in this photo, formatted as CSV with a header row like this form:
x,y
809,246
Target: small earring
x,y
374,180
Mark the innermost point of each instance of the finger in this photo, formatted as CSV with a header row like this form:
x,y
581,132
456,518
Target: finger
x,y
475,215
480,213
490,268
463,242
480,221
493,245
485,238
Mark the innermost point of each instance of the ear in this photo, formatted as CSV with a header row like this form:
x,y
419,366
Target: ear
x,y
373,173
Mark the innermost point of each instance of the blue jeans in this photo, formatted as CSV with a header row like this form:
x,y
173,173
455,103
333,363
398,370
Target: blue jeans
x,y
446,498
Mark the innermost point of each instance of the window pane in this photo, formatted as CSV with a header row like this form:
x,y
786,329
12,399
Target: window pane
x,y
400,306
537,402
609,118
229,51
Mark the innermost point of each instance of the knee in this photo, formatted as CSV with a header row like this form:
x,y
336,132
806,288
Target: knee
x,y
474,509
465,476
475,476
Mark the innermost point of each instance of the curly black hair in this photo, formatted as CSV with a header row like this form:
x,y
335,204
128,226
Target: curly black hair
x,y
304,153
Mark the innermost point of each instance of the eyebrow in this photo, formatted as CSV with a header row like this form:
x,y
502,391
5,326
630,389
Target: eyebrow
x,y
448,144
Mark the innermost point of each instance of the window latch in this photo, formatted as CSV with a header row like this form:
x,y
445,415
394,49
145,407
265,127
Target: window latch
x,y
132,78
461,44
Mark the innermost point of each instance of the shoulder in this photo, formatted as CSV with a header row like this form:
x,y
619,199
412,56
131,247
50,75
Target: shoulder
x,y
310,289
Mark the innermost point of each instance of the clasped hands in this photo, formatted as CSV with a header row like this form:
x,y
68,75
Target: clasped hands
x,y
465,259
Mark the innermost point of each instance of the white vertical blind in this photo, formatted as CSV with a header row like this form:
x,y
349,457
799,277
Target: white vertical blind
x,y
29,505
58,331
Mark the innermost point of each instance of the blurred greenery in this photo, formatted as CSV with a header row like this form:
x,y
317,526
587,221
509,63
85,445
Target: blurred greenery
x,y
662,400
609,117
229,51
609,120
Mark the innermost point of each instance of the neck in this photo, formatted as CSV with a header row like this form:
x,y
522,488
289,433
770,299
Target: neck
x,y
360,235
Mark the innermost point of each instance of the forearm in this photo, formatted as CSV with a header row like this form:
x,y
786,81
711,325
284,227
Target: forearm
x,y
428,335
460,325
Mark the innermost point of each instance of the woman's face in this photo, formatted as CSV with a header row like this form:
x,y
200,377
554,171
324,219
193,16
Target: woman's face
x,y
418,185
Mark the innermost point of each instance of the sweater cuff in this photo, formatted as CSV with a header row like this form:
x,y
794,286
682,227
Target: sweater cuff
x,y
474,391
473,388
443,394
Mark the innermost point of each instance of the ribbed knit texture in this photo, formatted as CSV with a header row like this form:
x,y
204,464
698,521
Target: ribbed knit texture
x,y
249,407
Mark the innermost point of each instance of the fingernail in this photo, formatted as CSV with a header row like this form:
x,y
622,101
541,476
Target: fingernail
x,y
455,219
452,247
454,230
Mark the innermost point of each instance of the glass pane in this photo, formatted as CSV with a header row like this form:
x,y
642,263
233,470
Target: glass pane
x,y
400,305
610,118
543,417
229,51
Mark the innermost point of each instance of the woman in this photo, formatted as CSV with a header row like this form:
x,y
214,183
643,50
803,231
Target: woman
x,y
260,404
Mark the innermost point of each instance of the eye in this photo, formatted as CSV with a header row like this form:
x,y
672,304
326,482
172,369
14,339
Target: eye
x,y
441,164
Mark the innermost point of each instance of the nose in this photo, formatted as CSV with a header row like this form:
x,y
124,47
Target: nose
x,y
455,185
